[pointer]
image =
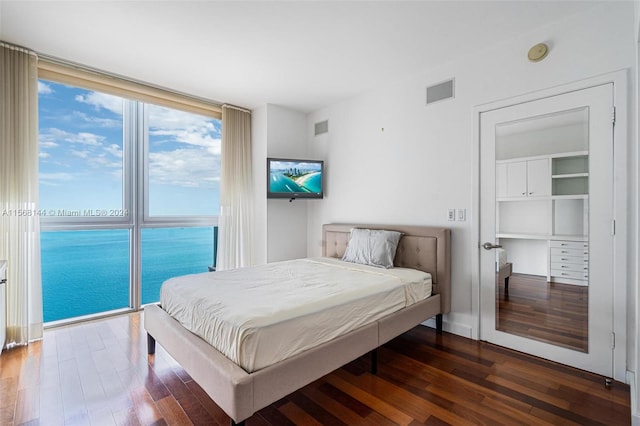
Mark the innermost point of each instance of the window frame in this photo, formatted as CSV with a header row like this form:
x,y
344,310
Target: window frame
x,y
136,96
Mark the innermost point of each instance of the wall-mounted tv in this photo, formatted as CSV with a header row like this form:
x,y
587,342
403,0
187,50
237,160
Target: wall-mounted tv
x,y
290,178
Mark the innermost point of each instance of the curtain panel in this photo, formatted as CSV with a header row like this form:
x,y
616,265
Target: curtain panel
x,y
235,224
19,220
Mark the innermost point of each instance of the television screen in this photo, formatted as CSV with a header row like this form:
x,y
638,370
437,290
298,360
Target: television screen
x,y
288,178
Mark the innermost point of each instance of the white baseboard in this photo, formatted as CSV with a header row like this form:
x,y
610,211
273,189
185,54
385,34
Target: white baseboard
x,y
631,381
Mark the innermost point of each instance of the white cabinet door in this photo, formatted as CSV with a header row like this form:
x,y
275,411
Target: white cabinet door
x,y
501,180
530,178
517,179
538,178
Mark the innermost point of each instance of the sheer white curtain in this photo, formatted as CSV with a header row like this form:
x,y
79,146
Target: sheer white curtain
x,y
235,225
19,221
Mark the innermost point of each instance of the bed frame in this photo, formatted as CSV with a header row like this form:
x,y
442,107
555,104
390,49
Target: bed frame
x,y
241,394
504,274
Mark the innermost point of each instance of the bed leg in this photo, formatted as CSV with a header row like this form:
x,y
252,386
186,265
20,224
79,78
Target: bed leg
x,y
237,424
151,344
439,323
506,284
374,362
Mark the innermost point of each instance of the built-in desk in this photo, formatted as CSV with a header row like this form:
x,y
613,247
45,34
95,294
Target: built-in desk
x,y
561,258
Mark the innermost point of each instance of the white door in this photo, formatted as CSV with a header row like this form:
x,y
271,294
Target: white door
x,y
574,133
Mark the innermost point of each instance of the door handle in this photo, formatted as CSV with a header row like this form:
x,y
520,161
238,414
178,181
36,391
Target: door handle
x,y
489,246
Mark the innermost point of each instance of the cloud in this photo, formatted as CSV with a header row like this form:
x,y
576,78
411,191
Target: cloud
x,y
114,150
96,121
80,154
60,176
101,160
85,138
54,136
185,128
44,88
45,141
190,168
184,152
102,101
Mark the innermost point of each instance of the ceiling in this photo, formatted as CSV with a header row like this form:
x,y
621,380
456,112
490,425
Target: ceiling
x,y
301,54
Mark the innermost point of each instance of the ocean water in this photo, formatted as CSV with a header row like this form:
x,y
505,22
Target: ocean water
x,y
87,272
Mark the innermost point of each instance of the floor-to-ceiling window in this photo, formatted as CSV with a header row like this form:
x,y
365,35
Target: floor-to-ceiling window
x,y
128,198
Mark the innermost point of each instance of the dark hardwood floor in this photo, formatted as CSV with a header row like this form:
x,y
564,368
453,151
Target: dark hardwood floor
x,y
98,373
549,312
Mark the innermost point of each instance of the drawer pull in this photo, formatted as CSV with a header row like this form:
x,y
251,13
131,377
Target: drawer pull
x,y
563,273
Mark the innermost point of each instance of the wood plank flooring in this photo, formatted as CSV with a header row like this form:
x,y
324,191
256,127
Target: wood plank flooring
x,y
549,312
98,373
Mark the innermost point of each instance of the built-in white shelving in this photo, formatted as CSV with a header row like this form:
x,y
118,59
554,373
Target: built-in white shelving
x,y
556,211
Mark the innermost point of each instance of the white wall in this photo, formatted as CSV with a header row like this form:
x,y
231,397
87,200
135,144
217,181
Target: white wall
x,y
285,222
259,154
391,159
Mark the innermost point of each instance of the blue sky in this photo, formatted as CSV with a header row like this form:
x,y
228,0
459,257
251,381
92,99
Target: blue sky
x,y
81,154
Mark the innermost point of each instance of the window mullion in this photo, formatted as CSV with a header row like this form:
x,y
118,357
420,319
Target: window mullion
x,y
137,187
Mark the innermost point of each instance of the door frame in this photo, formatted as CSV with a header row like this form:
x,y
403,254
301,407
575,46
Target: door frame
x,y
620,177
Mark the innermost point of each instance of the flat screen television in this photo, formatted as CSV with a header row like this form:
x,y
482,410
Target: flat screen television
x,y
291,178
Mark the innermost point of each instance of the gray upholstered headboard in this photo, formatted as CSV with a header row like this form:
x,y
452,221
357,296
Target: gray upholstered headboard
x,y
421,247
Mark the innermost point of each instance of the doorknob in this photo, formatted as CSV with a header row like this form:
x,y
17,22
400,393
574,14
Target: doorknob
x,y
489,246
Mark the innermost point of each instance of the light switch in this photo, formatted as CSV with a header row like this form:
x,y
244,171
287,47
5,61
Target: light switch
x,y
451,214
461,214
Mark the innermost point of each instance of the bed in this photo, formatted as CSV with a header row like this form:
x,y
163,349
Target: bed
x,y
241,392
504,268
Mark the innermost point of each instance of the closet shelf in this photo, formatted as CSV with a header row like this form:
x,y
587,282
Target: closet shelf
x,y
570,197
549,237
569,175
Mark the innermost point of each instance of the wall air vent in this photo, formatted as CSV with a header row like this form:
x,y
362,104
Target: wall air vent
x,y
322,127
440,91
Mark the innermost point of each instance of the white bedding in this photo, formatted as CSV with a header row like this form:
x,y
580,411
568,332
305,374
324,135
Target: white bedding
x,y
260,315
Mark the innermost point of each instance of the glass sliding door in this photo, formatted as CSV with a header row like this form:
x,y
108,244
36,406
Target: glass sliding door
x,y
84,201
170,252
84,272
128,198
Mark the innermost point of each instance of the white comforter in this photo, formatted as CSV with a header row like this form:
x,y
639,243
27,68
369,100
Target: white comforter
x,y
261,315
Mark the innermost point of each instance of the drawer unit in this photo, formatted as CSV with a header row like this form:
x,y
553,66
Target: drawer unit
x,y
565,258
569,262
582,277
569,244
562,252
558,266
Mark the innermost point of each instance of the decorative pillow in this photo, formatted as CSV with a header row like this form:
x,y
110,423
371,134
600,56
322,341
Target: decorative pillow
x,y
375,247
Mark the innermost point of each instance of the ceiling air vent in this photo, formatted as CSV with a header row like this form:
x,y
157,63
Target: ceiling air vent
x,y
440,91
322,127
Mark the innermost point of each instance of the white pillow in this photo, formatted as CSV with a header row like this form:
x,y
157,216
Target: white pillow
x,y
375,247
